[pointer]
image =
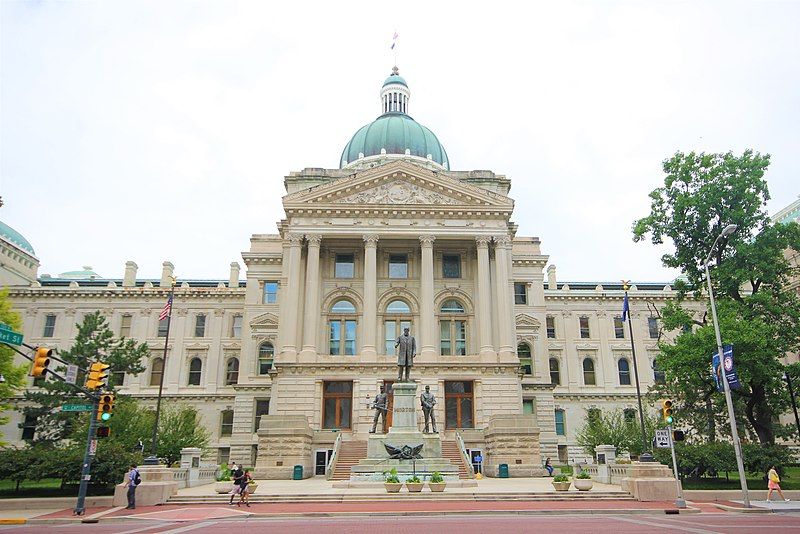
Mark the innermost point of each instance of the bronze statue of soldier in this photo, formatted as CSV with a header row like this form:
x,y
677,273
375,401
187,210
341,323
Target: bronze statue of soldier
x,y
406,347
381,406
428,400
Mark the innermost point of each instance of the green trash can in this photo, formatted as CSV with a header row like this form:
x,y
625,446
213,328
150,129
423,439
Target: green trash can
x,y
503,470
298,472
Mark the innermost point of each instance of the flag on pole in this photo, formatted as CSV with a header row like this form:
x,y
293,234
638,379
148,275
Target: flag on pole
x,y
625,308
394,41
167,309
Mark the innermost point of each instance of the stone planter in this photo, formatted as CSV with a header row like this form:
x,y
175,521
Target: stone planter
x,y
414,487
437,487
583,484
562,486
223,487
393,487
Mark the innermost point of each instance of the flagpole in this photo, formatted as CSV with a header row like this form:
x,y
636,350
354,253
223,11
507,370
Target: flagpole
x,y
153,458
646,456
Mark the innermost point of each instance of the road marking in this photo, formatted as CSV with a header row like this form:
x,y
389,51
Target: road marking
x,y
142,529
189,527
666,526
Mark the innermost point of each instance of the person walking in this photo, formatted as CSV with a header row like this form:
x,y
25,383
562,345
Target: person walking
x,y
237,475
548,467
774,483
244,489
132,480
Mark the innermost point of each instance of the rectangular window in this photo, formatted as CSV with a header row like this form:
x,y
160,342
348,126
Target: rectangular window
x,y
560,426
29,427
398,265
49,325
458,405
520,293
223,455
200,326
550,321
118,378
527,406
270,292
453,338
337,403
555,372
125,326
343,337
226,423
236,326
619,328
162,327
451,266
584,326
652,327
345,266
262,408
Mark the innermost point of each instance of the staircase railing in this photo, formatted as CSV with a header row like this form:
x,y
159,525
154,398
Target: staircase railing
x,y
334,456
464,456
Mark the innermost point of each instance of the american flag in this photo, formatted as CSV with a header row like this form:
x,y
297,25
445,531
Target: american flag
x,y
167,309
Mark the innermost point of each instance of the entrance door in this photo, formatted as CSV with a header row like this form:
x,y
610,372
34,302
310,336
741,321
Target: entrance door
x,y
476,457
458,405
387,387
321,459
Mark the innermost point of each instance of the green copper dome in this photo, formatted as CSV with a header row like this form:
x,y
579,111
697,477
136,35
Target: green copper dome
x,y
394,133
15,237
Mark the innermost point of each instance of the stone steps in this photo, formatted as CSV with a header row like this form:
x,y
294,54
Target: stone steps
x,y
350,453
452,452
426,495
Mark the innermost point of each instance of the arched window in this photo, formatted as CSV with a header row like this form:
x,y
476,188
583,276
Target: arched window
x,y
195,371
342,325
452,329
629,414
524,355
588,372
397,318
658,374
156,371
624,368
232,372
555,372
266,353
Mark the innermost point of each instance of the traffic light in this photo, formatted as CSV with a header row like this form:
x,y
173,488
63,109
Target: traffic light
x,y
103,432
678,435
41,360
666,411
106,407
98,377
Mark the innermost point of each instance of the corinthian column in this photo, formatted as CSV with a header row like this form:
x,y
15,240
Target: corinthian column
x,y
289,304
484,297
505,309
311,318
370,295
426,315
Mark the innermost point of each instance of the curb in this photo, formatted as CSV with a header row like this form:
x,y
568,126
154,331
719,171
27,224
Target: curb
x,y
13,521
740,510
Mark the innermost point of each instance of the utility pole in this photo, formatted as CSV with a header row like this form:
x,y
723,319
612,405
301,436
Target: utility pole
x,y
88,456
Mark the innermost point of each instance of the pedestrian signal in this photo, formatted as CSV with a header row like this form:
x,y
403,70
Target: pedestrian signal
x,y
103,432
678,435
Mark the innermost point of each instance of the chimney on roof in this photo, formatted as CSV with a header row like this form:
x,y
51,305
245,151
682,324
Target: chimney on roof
x,y
166,274
234,279
130,274
551,277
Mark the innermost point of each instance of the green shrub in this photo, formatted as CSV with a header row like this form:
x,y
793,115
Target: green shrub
x,y
713,459
224,474
413,480
391,476
436,477
583,475
561,478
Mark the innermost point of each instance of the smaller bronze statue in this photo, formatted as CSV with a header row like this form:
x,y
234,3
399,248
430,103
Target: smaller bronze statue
x,y
406,347
428,399
380,405
406,452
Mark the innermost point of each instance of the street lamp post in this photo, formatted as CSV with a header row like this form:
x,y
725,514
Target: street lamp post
x,y
737,446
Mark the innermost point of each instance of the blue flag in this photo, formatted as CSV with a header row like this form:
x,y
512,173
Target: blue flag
x,y
625,308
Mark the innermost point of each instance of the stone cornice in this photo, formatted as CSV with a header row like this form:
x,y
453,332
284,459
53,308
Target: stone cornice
x,y
144,295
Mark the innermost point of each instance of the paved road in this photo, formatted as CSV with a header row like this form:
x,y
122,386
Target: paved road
x,y
628,524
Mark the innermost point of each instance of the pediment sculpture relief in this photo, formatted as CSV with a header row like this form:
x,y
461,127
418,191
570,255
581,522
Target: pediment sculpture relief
x,y
397,193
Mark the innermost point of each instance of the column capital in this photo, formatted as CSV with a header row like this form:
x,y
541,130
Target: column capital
x,y
314,240
370,240
502,241
294,239
427,240
483,241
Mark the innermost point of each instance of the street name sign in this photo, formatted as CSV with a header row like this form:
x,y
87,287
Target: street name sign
x,y
9,336
76,408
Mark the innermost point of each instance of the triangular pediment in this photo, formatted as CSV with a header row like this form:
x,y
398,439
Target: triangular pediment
x,y
398,184
527,321
265,320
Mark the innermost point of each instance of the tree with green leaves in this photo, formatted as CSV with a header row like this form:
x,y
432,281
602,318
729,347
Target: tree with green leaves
x,y
758,312
14,375
94,342
614,428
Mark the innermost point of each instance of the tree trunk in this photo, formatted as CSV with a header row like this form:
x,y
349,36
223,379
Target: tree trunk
x,y
759,415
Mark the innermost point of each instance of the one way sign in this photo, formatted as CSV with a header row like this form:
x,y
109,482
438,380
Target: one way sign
x,y
662,438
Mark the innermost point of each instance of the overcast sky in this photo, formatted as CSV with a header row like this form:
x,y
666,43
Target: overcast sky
x,y
154,131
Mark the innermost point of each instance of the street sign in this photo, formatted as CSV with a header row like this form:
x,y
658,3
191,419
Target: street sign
x,y
93,447
663,440
72,374
9,336
76,408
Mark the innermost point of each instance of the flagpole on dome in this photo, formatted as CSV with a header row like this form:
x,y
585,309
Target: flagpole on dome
x,y
166,313
646,456
394,47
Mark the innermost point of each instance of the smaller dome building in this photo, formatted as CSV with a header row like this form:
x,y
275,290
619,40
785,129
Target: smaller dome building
x,y
19,265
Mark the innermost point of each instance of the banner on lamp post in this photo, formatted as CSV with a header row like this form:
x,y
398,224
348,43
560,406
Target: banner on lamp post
x,y
730,370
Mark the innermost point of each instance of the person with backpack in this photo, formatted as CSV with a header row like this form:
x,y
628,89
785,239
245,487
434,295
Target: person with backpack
x,y
132,480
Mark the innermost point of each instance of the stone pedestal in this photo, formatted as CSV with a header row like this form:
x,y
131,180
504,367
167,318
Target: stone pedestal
x,y
283,442
650,481
606,455
513,440
157,486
